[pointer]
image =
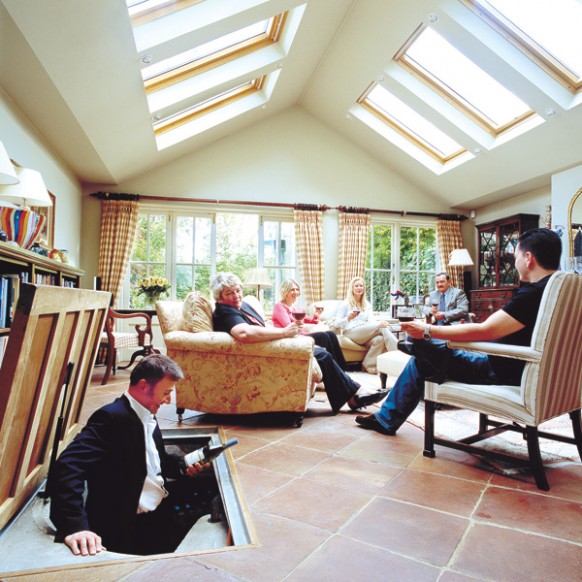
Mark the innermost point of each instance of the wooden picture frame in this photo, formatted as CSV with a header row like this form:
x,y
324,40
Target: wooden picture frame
x,y
48,230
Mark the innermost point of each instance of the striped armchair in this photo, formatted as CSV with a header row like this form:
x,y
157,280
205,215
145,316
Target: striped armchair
x,y
551,384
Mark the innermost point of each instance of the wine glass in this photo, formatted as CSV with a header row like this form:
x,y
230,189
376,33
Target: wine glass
x,y
405,313
299,312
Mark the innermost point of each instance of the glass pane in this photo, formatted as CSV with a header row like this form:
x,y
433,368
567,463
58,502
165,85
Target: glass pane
x,y
408,249
270,239
287,252
412,123
184,236
202,280
236,242
202,234
184,281
380,291
408,285
558,34
157,239
460,77
140,246
381,253
427,248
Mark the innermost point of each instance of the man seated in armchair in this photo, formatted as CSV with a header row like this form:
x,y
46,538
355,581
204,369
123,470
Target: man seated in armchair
x,y
245,325
537,257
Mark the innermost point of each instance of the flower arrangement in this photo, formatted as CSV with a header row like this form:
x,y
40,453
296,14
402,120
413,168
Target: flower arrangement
x,y
153,287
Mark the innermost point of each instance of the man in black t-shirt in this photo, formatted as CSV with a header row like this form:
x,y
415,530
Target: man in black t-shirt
x,y
537,257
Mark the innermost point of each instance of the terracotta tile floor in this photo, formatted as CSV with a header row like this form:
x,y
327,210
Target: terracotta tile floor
x,y
331,501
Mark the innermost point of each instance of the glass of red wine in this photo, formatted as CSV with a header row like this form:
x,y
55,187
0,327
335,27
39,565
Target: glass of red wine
x,y
298,313
405,313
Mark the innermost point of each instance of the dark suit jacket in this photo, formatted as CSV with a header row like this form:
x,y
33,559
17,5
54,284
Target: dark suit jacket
x,y
109,456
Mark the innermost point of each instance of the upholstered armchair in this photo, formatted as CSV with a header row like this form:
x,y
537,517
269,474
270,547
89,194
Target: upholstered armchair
x,y
551,384
223,376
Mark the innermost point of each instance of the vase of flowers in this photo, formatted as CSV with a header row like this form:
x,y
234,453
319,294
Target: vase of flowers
x,y
153,289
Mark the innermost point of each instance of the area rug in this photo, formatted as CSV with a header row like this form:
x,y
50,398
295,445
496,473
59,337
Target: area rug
x,y
454,424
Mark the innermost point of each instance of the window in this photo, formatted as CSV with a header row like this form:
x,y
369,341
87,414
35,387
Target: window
x,y
149,258
189,248
204,62
400,257
547,34
449,72
410,124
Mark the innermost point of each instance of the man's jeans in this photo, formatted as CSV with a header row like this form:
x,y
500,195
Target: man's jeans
x,y
431,360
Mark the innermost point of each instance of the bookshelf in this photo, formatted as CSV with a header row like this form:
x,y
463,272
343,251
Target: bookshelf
x,y
19,266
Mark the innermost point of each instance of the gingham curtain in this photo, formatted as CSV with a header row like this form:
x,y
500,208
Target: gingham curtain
x,y
118,231
448,239
309,241
354,230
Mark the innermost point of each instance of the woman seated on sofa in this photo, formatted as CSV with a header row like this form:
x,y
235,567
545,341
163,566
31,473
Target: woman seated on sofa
x,y
283,315
355,318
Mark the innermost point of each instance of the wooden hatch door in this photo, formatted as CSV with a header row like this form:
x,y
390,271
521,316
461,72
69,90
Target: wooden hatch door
x,y
52,328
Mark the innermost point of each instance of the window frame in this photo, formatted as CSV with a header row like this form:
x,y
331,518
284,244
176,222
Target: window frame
x,y
537,53
201,211
395,266
440,88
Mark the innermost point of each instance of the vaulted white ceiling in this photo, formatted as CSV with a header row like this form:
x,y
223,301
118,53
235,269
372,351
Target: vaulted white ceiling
x,y
72,68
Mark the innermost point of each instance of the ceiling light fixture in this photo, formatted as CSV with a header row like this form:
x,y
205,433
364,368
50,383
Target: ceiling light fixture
x,y
550,112
433,17
146,59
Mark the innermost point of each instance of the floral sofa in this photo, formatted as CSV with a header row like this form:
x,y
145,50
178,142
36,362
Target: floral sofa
x,y
223,376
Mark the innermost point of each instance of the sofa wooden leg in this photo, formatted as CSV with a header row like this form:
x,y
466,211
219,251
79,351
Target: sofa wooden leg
x,y
180,413
298,421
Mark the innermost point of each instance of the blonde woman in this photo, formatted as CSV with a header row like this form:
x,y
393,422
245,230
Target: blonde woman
x,y
283,315
357,321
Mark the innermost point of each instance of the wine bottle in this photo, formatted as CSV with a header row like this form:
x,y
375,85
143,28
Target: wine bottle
x,y
208,453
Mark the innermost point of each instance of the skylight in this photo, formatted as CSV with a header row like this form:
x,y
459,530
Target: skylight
x,y
549,33
457,78
208,61
409,123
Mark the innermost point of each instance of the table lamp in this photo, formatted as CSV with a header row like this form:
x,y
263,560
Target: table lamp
x,y
461,258
258,278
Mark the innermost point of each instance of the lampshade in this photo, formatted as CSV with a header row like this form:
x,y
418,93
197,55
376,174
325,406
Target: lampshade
x,y
258,278
460,258
7,172
30,190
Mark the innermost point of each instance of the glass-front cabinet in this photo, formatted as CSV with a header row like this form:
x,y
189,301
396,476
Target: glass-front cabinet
x,y
498,277
497,244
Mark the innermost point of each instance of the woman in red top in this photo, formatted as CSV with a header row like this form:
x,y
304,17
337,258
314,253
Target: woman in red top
x,y
283,316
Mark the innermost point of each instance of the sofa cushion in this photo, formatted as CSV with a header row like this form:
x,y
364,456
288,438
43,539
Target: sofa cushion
x,y
197,312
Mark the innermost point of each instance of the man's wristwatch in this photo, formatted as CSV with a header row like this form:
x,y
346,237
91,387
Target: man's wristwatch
x,y
426,334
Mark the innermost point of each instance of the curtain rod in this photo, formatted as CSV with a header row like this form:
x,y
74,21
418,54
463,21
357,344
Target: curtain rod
x,y
323,207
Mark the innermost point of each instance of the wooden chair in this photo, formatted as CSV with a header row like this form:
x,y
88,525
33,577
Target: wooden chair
x,y
113,340
551,383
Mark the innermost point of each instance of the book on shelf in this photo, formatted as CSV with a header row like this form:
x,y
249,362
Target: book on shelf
x,y
3,344
8,298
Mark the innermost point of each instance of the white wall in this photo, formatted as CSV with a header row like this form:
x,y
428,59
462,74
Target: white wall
x,y
564,187
289,158
27,148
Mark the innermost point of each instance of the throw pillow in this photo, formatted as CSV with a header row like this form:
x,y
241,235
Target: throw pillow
x,y
197,312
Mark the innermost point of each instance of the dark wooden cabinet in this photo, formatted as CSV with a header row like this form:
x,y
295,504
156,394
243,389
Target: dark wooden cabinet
x,y
497,275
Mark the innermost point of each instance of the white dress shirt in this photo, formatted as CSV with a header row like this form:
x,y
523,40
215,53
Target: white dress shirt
x,y
153,488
